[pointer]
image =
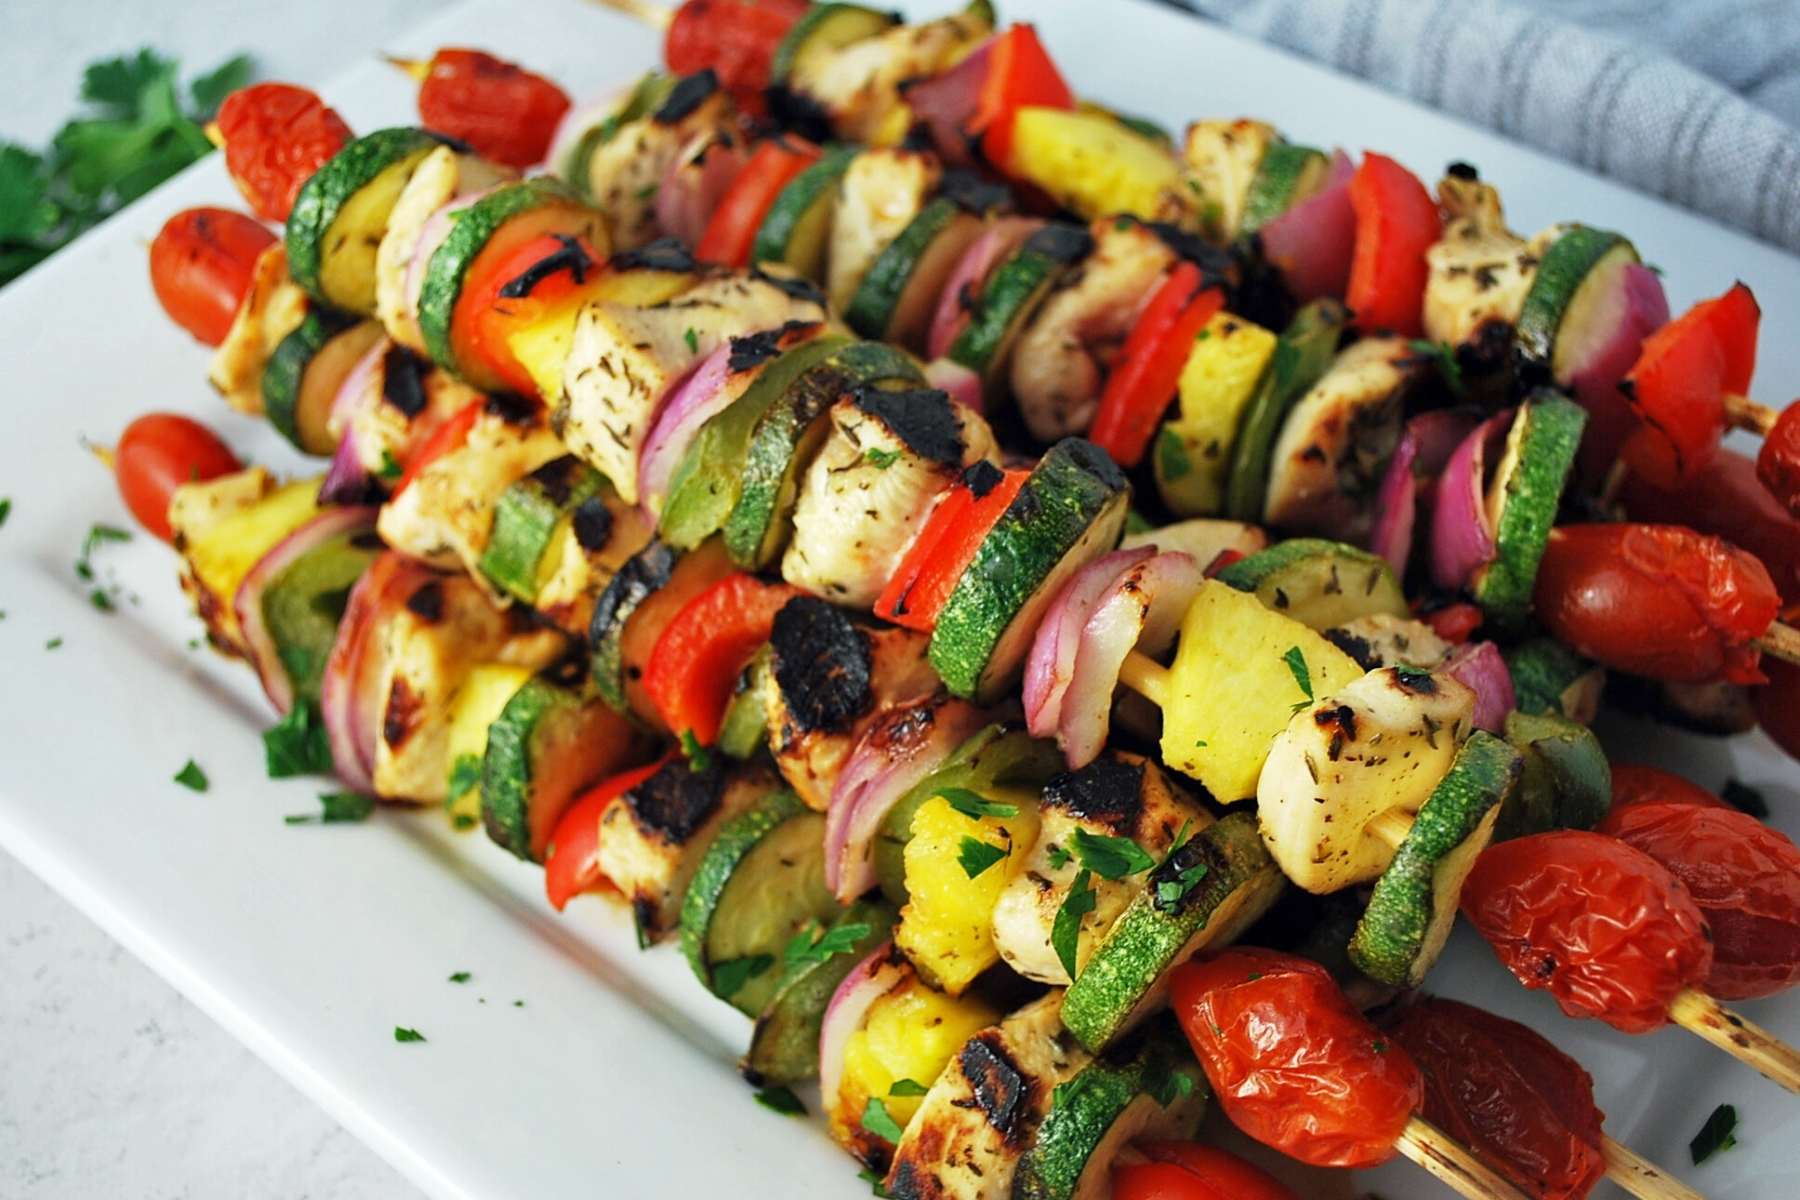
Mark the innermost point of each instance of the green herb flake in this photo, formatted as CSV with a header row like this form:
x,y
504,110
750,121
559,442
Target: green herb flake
x,y
335,808
297,744
1059,858
1296,665
881,459
648,191
1171,892
1718,1135
1171,455
976,806
699,758
460,977
191,776
5,509
692,338
730,976
54,643
1165,1083
907,1087
812,946
976,856
1110,857
875,1180
390,468
1203,334
102,600
878,1121
1745,799
465,776
781,1100
1065,932
461,821
403,1034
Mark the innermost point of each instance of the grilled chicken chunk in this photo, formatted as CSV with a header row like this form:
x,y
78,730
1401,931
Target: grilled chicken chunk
x,y
602,534
859,86
889,453
1222,158
1384,640
1479,274
1059,364
881,192
1119,795
980,1116
624,173
272,308
442,176
624,357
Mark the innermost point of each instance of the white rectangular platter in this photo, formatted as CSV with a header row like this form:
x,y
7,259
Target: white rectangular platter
x,y
571,1064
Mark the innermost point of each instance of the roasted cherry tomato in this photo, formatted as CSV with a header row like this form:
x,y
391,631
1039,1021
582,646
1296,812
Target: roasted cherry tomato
x,y
1020,74
736,38
1144,378
1292,1062
449,436
1656,600
1396,223
1726,499
158,453
697,659
1633,784
201,266
1190,1171
1605,928
1778,463
510,292
572,860
503,111
276,135
1677,389
1745,878
1502,1090
731,231
946,544
1778,705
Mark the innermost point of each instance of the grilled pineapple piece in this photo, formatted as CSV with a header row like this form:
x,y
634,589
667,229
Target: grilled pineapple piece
x,y
272,308
1096,166
222,528
880,194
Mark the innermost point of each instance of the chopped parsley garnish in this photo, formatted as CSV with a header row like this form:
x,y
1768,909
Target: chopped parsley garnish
x,y
907,1087
1170,892
465,774
1296,665
809,945
882,459
692,338
190,775
5,508
1443,356
390,468
1165,1083
1065,932
335,808
1745,799
100,597
461,821
976,806
403,1034
874,1180
518,1004
647,191
781,1100
730,976
1059,858
460,977
976,856
297,744
1110,857
699,757
878,1121
54,643
102,600
1716,1136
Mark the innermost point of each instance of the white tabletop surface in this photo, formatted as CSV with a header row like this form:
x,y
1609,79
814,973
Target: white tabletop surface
x,y
111,1083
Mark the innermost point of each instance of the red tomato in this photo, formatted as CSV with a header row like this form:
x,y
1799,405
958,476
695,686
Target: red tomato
x,y
1606,929
1144,379
1190,1171
1020,74
697,659
506,293
1726,499
572,860
1778,705
1396,223
1656,600
731,231
1647,785
1745,878
201,265
946,544
446,437
276,135
1505,1092
1292,1062
503,111
1778,463
736,38
1678,386
158,453
1455,623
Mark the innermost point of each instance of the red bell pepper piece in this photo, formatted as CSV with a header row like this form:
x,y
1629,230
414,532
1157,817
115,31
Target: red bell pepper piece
x,y
572,860
1677,389
1149,367
732,230
509,292
449,436
1396,223
1020,74
697,659
946,545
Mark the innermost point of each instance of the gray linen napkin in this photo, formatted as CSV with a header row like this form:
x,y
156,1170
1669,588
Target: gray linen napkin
x,y
1607,92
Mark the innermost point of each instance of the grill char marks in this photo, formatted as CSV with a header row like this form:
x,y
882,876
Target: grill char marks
x,y
822,665
1108,791
1002,1092
402,381
920,417
676,801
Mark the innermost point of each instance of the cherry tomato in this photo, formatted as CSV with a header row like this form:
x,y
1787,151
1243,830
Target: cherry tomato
x,y
736,38
1745,878
1778,463
1505,1092
1677,389
572,860
276,135
1190,1171
1726,499
697,659
1647,785
503,111
1144,379
158,453
510,292
1656,600
201,266
1778,705
1605,928
1292,1062
1396,223
731,232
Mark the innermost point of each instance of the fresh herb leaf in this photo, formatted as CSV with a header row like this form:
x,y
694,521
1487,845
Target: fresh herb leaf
x,y
209,90
976,856
1108,856
460,977
1296,665
699,758
907,1087
1171,454
809,945
1443,356
5,508
730,976
465,774
54,643
297,744
781,1100
102,600
882,459
190,775
647,191
1716,1136
1171,892
390,468
692,338
976,806
1165,1083
461,821
518,1004
84,567
403,1034
875,1181
1059,858
878,1121
1065,932
1745,799
335,808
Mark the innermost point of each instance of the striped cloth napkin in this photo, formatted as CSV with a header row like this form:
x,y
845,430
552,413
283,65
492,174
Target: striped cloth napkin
x,y
1697,101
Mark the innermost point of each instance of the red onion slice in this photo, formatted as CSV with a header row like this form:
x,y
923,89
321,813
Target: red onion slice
x,y
691,403
962,384
348,479
1480,667
437,227
1051,663
694,183
995,243
1438,433
1142,610
348,714
1635,308
1462,538
848,1009
259,641
1396,506
946,103
1311,242
895,754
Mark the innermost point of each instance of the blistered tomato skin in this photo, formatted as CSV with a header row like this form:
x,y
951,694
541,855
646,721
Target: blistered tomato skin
x,y
202,264
503,111
1603,927
1778,463
1743,876
1292,1062
1501,1089
1632,784
276,136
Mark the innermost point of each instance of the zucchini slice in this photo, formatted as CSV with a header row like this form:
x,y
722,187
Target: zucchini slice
x,y
745,729
1522,502
798,224
822,31
527,517
1205,893
1322,584
1011,293
1301,358
1549,677
1567,782
1070,511
760,884
631,612
925,251
645,97
478,704
304,374
1286,175
784,1048
304,603
1573,288
341,212
1414,903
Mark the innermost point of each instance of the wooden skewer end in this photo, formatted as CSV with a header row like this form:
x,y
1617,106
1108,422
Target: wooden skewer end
x,y
1641,1177
1741,412
1738,1036
1781,641
1453,1163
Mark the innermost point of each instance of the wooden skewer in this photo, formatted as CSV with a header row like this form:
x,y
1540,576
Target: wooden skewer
x,y
1738,1036
1452,1162
1781,641
418,69
1741,412
1641,1177
656,16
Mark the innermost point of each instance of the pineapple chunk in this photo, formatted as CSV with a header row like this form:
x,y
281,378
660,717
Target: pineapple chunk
x,y
1231,688
910,1033
946,928
220,554
1193,452
542,347
485,691
1095,166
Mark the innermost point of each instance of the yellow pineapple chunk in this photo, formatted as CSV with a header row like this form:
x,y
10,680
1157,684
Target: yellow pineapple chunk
x,y
910,1033
1193,452
1094,165
484,692
220,553
542,347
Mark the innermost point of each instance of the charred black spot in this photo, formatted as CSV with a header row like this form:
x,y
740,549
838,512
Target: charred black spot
x,y
444,139
664,254
569,256
971,193
909,1184
677,800
800,113
1488,351
1358,648
920,417
514,409
754,349
642,574
1093,460
981,477
791,285
403,381
1109,790
1342,719
1216,265
1420,683
1002,1091
822,664
400,716
592,522
1059,242
1463,170
689,92
427,601
558,478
